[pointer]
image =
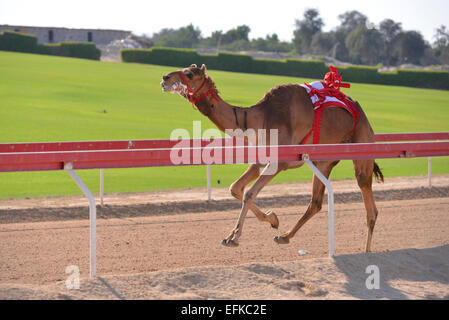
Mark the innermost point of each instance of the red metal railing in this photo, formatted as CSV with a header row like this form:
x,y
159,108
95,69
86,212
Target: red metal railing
x,y
164,144
35,161
389,137
103,145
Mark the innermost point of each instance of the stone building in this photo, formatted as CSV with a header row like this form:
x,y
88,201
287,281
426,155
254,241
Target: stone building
x,y
55,35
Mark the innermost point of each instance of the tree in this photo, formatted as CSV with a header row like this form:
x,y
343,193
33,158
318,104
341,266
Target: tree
x,y
441,45
350,20
270,43
365,45
323,43
389,31
214,41
266,44
442,37
409,47
164,32
239,33
306,29
184,37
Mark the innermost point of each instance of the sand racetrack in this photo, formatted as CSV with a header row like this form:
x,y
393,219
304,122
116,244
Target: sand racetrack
x,y
171,250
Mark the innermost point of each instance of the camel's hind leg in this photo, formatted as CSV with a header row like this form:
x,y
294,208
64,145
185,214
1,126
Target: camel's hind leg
x,y
364,170
364,174
238,187
314,205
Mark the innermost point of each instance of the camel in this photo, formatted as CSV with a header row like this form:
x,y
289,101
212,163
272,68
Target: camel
x,y
289,109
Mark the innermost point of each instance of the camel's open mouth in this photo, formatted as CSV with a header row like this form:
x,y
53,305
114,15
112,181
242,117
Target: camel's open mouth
x,y
176,87
164,86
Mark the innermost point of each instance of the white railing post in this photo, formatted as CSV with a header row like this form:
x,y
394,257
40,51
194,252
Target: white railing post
x,y
92,217
330,202
209,191
102,187
429,161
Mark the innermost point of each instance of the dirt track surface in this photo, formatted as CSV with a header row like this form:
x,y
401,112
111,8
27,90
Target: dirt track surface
x,y
166,254
298,190
193,200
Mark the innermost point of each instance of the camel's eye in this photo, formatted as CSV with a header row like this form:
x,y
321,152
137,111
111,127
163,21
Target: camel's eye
x,y
189,75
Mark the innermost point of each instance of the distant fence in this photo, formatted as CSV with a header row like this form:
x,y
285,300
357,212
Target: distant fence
x,y
315,69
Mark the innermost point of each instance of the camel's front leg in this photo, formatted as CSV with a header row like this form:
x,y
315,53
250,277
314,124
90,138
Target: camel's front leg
x,y
248,199
237,191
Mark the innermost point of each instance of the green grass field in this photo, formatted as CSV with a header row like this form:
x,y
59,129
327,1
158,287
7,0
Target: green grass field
x,y
44,98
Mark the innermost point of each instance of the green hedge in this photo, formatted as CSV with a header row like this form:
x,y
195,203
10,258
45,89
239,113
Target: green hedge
x,y
360,74
315,69
15,41
233,62
85,50
424,79
224,61
21,42
163,56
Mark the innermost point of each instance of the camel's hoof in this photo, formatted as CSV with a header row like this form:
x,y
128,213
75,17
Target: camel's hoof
x,y
274,225
230,243
281,240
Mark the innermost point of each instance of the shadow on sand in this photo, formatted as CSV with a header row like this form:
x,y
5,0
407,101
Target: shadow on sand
x,y
407,265
111,289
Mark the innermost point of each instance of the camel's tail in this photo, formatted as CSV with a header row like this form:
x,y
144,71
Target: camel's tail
x,y
378,173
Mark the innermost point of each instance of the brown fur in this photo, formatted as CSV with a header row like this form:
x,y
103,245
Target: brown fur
x,y
289,109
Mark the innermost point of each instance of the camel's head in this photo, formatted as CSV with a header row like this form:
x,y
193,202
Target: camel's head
x,y
184,82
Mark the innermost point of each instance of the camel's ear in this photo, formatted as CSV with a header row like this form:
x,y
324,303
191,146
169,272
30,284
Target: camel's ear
x,y
203,69
193,66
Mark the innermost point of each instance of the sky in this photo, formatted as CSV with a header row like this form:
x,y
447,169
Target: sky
x,y
262,16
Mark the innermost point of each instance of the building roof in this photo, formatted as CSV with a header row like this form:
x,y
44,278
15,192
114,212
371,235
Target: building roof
x,y
63,28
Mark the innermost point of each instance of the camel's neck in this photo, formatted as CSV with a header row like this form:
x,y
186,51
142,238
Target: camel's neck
x,y
224,115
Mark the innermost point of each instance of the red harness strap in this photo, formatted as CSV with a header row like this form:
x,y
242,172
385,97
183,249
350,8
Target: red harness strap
x,y
191,93
211,91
